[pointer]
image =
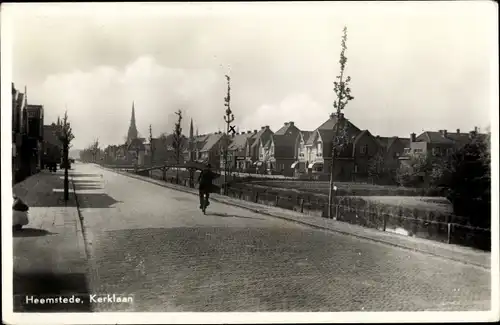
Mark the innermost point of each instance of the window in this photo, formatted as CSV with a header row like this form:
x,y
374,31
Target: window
x,y
364,149
418,151
435,151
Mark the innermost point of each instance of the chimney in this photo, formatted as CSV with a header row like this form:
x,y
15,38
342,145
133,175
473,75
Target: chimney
x,y
413,137
444,133
254,131
286,123
262,127
291,123
332,116
475,130
458,131
267,127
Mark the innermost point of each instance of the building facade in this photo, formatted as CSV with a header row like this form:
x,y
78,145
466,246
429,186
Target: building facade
x,y
27,136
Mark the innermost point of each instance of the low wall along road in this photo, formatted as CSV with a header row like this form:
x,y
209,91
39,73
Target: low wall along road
x,y
429,223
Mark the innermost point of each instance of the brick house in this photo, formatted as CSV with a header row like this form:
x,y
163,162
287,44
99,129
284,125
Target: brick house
x,y
256,149
281,150
438,143
250,152
198,142
299,166
365,147
163,151
237,150
391,149
211,150
319,151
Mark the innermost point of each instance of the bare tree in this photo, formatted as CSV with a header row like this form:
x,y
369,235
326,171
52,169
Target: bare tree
x,y
95,150
65,135
228,118
178,141
343,93
151,146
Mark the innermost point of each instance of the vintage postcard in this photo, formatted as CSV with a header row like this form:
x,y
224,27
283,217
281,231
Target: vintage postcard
x,y
249,162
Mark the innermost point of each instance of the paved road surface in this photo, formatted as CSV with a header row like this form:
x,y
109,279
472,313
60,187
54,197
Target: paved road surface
x,y
154,243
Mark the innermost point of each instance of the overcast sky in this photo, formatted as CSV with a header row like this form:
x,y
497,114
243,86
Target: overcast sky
x,y
413,66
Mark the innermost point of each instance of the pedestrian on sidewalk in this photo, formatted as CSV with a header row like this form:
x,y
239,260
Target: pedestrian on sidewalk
x,y
206,185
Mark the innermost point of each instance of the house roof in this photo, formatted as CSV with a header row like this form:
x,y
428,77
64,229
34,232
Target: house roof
x,y
312,137
384,141
264,134
239,141
327,131
332,121
305,135
288,129
211,141
450,138
405,142
360,135
268,143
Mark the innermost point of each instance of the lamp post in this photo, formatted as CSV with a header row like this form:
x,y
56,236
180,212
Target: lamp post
x,y
228,118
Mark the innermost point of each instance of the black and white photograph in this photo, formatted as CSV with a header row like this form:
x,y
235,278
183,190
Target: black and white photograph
x,y
250,162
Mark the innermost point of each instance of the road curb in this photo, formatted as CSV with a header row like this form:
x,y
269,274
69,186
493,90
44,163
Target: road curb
x,y
242,206
80,220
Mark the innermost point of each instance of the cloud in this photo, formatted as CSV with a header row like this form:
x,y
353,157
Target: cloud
x,y
99,101
411,69
301,109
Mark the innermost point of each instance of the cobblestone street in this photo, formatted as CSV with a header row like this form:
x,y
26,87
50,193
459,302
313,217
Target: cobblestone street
x,y
154,242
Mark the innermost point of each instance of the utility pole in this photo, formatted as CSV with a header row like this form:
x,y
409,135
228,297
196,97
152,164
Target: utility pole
x,y
228,118
340,139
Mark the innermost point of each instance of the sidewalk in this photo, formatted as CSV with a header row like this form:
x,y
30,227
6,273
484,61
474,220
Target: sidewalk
x,y
49,253
453,252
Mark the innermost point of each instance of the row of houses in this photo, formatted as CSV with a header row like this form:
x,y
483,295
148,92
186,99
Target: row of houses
x,y
27,136
293,152
289,151
34,144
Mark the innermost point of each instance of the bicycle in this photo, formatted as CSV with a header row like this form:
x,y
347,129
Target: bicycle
x,y
204,203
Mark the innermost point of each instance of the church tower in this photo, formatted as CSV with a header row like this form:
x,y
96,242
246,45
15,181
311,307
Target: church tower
x,y
191,141
132,129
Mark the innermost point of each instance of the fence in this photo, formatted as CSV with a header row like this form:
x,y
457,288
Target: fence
x,y
431,225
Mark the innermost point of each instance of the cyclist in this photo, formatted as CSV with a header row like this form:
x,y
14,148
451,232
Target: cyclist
x,y
205,180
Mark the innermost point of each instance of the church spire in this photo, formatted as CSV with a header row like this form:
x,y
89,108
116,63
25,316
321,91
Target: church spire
x,y
132,130
191,130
